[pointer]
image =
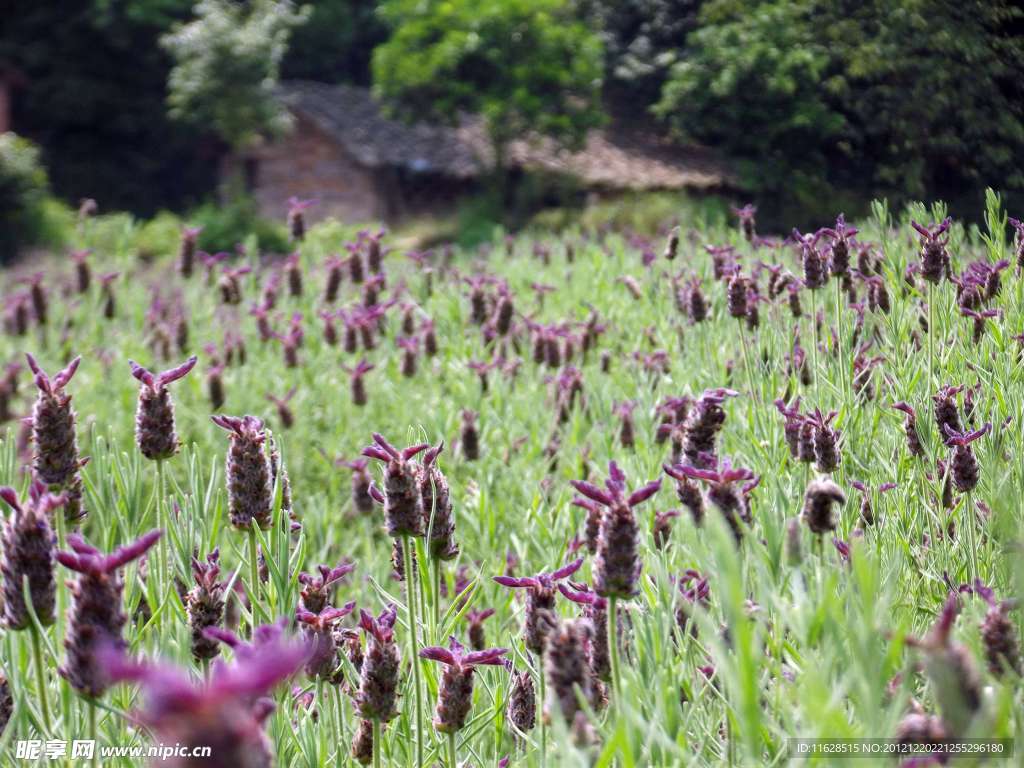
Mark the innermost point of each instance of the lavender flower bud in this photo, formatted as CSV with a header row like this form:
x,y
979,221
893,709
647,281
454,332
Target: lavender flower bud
x,y
154,418
672,246
438,519
378,679
566,667
204,604
56,460
999,636
96,618
403,504
522,702
323,656
6,703
934,256
362,743
819,512
28,552
248,472
187,250
739,288
455,690
470,438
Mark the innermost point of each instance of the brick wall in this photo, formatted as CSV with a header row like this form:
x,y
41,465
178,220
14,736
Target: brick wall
x,y
308,164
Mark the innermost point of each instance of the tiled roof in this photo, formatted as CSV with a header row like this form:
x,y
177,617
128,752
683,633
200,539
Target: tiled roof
x,y
608,160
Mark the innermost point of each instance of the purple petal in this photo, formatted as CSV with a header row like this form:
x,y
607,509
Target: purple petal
x,y
591,492
174,374
567,570
643,494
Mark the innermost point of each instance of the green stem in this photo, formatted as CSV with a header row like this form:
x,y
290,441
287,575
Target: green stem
x,y
931,343
414,660
92,726
37,660
436,564
843,368
540,713
613,645
162,544
452,763
254,572
968,521
814,347
376,743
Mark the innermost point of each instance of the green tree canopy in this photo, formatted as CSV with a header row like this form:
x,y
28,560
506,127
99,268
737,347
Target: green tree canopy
x,y
525,66
227,65
914,99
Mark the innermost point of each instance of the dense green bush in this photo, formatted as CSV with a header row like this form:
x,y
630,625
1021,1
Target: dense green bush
x,y
921,98
27,216
225,226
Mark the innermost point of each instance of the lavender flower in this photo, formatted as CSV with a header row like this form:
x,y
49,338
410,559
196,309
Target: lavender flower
x,y
540,598
522,703
596,612
694,592
204,604
28,546
378,680
469,436
296,217
154,418
323,650
867,514
250,494
566,666
438,519
356,384
403,505
951,668
819,512
722,492
704,423
910,428
187,250
826,441
811,259
361,483
56,461
999,634
746,220
96,618
617,563
6,702
476,619
842,240
934,256
455,689
224,713
964,465
315,592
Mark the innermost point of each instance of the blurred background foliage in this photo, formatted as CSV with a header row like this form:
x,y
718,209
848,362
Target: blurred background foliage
x,y
818,105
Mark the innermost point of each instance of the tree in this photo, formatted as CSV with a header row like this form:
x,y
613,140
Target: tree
x,y
525,66
908,99
94,101
642,41
336,43
226,67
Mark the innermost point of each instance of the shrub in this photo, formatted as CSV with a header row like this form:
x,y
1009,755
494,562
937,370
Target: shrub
x,y
25,216
225,226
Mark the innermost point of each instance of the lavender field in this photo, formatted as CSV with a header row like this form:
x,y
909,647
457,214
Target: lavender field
x,y
577,499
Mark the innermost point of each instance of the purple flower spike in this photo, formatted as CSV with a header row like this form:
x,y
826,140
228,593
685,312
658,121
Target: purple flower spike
x,y
161,380
455,691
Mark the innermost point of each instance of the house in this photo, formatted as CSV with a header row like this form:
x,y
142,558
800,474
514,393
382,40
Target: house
x,y
361,166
